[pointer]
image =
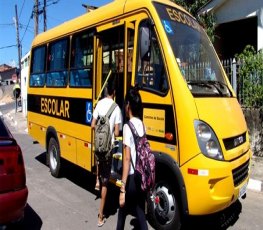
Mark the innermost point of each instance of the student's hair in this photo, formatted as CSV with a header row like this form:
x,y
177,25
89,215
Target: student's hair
x,y
133,97
111,85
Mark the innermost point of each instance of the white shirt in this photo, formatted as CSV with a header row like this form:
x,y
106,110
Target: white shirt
x,y
103,107
129,140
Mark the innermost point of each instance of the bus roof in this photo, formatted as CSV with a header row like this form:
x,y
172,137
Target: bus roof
x,y
110,10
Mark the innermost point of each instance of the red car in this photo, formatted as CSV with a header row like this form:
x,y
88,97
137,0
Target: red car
x,y
13,189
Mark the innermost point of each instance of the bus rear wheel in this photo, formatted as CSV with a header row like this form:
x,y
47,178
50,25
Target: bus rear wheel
x,y
54,157
163,209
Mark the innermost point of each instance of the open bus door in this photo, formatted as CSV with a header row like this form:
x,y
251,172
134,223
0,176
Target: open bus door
x,y
113,49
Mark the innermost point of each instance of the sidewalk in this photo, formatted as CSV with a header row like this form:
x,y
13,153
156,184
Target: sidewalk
x,y
18,120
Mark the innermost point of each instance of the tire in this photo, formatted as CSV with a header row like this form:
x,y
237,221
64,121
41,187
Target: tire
x,y
54,158
163,209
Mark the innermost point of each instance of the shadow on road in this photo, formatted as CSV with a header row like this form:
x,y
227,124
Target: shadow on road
x,y
74,173
31,221
86,180
220,221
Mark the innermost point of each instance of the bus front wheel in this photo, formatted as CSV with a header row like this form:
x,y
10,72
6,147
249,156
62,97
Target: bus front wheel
x,y
54,157
163,209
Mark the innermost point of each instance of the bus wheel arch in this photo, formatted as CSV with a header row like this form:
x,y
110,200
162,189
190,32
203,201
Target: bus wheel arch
x,y
53,155
167,207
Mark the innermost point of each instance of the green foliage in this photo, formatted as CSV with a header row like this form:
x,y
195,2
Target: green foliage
x,y
251,77
207,21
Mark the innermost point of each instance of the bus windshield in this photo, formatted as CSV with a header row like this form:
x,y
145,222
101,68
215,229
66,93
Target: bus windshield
x,y
194,53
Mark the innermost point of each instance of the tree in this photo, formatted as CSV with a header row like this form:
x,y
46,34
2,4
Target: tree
x,y
251,77
207,20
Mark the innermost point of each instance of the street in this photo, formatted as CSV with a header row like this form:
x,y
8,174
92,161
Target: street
x,y
71,202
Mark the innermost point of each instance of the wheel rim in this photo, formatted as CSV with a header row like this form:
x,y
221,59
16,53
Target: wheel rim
x,y
164,204
53,157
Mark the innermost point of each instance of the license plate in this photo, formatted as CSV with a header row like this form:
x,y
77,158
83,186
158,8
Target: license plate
x,y
242,190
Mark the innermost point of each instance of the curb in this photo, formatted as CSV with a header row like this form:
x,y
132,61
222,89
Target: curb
x,y
255,185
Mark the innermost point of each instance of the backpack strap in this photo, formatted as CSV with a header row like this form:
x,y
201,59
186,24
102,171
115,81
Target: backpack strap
x,y
135,136
113,106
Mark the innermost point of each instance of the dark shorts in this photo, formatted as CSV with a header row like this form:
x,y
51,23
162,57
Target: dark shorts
x,y
104,172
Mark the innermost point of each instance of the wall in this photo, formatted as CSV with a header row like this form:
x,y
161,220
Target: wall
x,y
254,118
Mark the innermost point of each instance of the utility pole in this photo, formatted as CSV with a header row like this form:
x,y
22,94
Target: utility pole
x,y
18,46
45,15
18,73
36,17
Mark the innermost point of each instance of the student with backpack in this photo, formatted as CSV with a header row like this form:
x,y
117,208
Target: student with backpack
x,y
132,197
106,122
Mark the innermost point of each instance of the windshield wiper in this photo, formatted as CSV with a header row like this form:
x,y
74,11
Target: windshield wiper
x,y
200,83
204,84
219,85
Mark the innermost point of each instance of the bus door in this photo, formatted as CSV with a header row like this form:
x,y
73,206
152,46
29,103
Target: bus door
x,y
114,50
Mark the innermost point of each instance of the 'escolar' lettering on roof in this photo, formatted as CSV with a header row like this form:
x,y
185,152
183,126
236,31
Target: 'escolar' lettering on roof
x,y
183,18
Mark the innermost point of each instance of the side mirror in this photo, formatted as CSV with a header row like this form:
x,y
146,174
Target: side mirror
x,y
145,43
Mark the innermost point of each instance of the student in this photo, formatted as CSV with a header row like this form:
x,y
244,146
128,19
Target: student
x,y
104,167
131,198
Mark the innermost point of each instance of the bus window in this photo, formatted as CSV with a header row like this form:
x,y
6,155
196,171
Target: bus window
x,y
37,76
113,58
150,68
130,40
81,60
57,64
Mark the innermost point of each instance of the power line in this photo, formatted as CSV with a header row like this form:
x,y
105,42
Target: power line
x,y
7,24
26,29
5,47
21,9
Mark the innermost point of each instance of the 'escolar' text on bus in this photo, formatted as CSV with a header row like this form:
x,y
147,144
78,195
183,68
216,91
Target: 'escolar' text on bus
x,y
55,107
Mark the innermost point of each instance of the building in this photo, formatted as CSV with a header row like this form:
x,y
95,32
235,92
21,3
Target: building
x,y
238,23
24,80
8,74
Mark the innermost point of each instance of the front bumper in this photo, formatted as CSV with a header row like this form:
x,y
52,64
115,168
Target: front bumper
x,y
215,185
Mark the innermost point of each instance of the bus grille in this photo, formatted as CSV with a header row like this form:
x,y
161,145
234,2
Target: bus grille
x,y
240,173
233,142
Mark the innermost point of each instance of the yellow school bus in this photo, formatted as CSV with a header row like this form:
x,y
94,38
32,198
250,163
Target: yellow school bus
x,y
193,120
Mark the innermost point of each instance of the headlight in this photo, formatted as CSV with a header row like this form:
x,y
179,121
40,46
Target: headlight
x,y
207,140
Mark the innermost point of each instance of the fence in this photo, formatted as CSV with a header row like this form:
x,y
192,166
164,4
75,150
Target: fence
x,y
249,89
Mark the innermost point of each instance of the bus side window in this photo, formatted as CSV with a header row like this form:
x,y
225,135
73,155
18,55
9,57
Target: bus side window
x,y
81,60
151,72
37,71
37,79
80,78
57,64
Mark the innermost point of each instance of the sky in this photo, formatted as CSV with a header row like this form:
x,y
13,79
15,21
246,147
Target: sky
x,y
58,11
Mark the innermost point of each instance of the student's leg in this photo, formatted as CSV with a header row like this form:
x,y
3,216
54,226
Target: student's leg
x,y
104,172
122,214
101,218
97,185
140,215
103,181
140,209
